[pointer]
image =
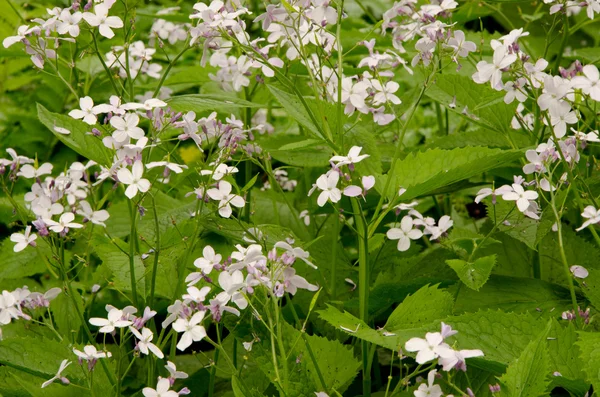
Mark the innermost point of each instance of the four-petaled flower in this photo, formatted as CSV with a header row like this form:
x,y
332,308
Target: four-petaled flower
x,y
22,240
162,389
134,179
114,320
222,194
145,344
404,233
191,328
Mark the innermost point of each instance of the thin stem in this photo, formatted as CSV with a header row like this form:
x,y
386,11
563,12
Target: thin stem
x,y
363,287
132,239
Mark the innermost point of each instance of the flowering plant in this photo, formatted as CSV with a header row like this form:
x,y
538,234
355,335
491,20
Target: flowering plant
x,y
299,197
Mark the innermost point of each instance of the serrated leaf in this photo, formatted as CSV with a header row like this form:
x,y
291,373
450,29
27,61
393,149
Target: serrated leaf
x,y
589,354
527,376
78,140
473,274
577,250
468,95
421,308
501,336
563,350
591,287
352,326
424,172
20,264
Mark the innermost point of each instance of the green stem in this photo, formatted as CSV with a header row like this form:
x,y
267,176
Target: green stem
x,y
132,239
156,254
363,287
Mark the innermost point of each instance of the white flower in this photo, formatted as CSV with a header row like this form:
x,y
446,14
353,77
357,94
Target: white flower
x,y
148,104
134,179
220,172
295,252
460,46
353,157
162,389
16,159
231,284
192,330
114,320
90,353
22,33
145,342
8,309
555,88
579,271
455,359
428,349
63,365
404,234
65,222
486,191
223,195
87,111
536,72
589,82
592,215
429,389
176,168
208,260
561,115
126,127
173,373
28,171
521,196
196,295
492,72
22,240
328,184
536,162
96,217
69,23
101,19
444,223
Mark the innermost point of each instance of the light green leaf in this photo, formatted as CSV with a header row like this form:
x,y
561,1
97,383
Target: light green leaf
x,y
424,172
468,95
591,287
209,102
118,262
473,274
421,308
79,139
589,354
527,376
296,109
352,326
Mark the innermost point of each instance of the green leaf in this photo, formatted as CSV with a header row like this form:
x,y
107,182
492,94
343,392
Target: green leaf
x,y
352,326
473,274
501,336
37,356
421,308
514,294
296,109
564,352
424,172
209,102
113,254
517,225
301,144
527,376
468,96
577,250
591,287
79,139
589,348
21,264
